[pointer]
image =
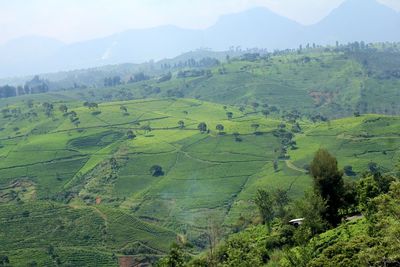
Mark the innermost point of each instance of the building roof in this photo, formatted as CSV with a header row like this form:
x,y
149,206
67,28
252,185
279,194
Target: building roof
x,y
296,220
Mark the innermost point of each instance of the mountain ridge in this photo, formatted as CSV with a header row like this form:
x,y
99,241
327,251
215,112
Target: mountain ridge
x,y
353,20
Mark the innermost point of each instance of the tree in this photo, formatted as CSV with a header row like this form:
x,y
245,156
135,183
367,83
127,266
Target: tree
x,y
156,171
229,115
328,183
237,137
4,261
181,124
219,128
265,113
202,127
312,209
214,232
76,122
146,128
373,167
63,108
90,105
29,103
175,258
296,128
48,109
281,200
123,108
130,135
276,166
265,204
255,126
93,105
73,114
348,170
255,105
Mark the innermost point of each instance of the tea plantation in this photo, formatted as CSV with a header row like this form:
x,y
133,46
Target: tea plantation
x,y
83,194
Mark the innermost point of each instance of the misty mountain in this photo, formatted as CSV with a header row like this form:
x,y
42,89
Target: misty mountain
x,y
354,20
257,27
26,55
357,20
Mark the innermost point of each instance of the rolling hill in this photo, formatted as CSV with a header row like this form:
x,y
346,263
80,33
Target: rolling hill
x,y
97,187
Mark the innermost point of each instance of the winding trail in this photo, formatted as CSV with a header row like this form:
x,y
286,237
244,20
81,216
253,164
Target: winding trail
x,y
290,165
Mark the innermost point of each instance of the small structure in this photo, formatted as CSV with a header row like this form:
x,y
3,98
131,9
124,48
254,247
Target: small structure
x,y
297,222
354,217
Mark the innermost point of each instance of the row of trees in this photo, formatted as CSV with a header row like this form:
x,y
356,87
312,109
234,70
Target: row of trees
x,y
206,62
34,86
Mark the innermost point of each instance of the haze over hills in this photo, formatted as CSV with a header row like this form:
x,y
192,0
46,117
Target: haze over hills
x,y
354,20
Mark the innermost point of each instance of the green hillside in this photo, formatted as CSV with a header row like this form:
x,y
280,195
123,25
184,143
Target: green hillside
x,y
92,187
333,82
88,175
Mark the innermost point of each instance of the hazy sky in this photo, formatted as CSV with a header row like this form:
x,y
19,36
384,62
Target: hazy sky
x,y
75,20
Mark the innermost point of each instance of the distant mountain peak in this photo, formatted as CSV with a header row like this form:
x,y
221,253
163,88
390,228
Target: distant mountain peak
x,y
362,4
255,13
353,20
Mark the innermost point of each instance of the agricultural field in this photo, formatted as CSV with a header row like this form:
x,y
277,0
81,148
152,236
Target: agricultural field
x,y
129,177
322,81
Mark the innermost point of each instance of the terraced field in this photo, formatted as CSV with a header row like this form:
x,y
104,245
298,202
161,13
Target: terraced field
x,y
90,190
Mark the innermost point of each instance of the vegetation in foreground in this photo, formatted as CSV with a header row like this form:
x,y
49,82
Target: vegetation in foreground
x,y
359,229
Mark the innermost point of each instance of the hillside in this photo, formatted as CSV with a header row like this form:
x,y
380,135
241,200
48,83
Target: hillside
x,y
101,161
333,82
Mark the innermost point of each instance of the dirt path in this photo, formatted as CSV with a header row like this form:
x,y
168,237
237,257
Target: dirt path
x,y
290,165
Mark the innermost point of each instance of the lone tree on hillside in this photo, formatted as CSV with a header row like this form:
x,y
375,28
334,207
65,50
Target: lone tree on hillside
x,y
255,105
265,113
90,105
202,127
220,128
130,135
76,122
146,128
63,108
123,108
48,109
229,115
328,183
181,124
276,166
156,171
255,126
237,137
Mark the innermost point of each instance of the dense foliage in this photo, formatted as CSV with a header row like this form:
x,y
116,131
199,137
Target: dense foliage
x,y
370,238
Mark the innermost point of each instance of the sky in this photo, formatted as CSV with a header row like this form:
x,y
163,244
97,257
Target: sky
x,y
78,20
